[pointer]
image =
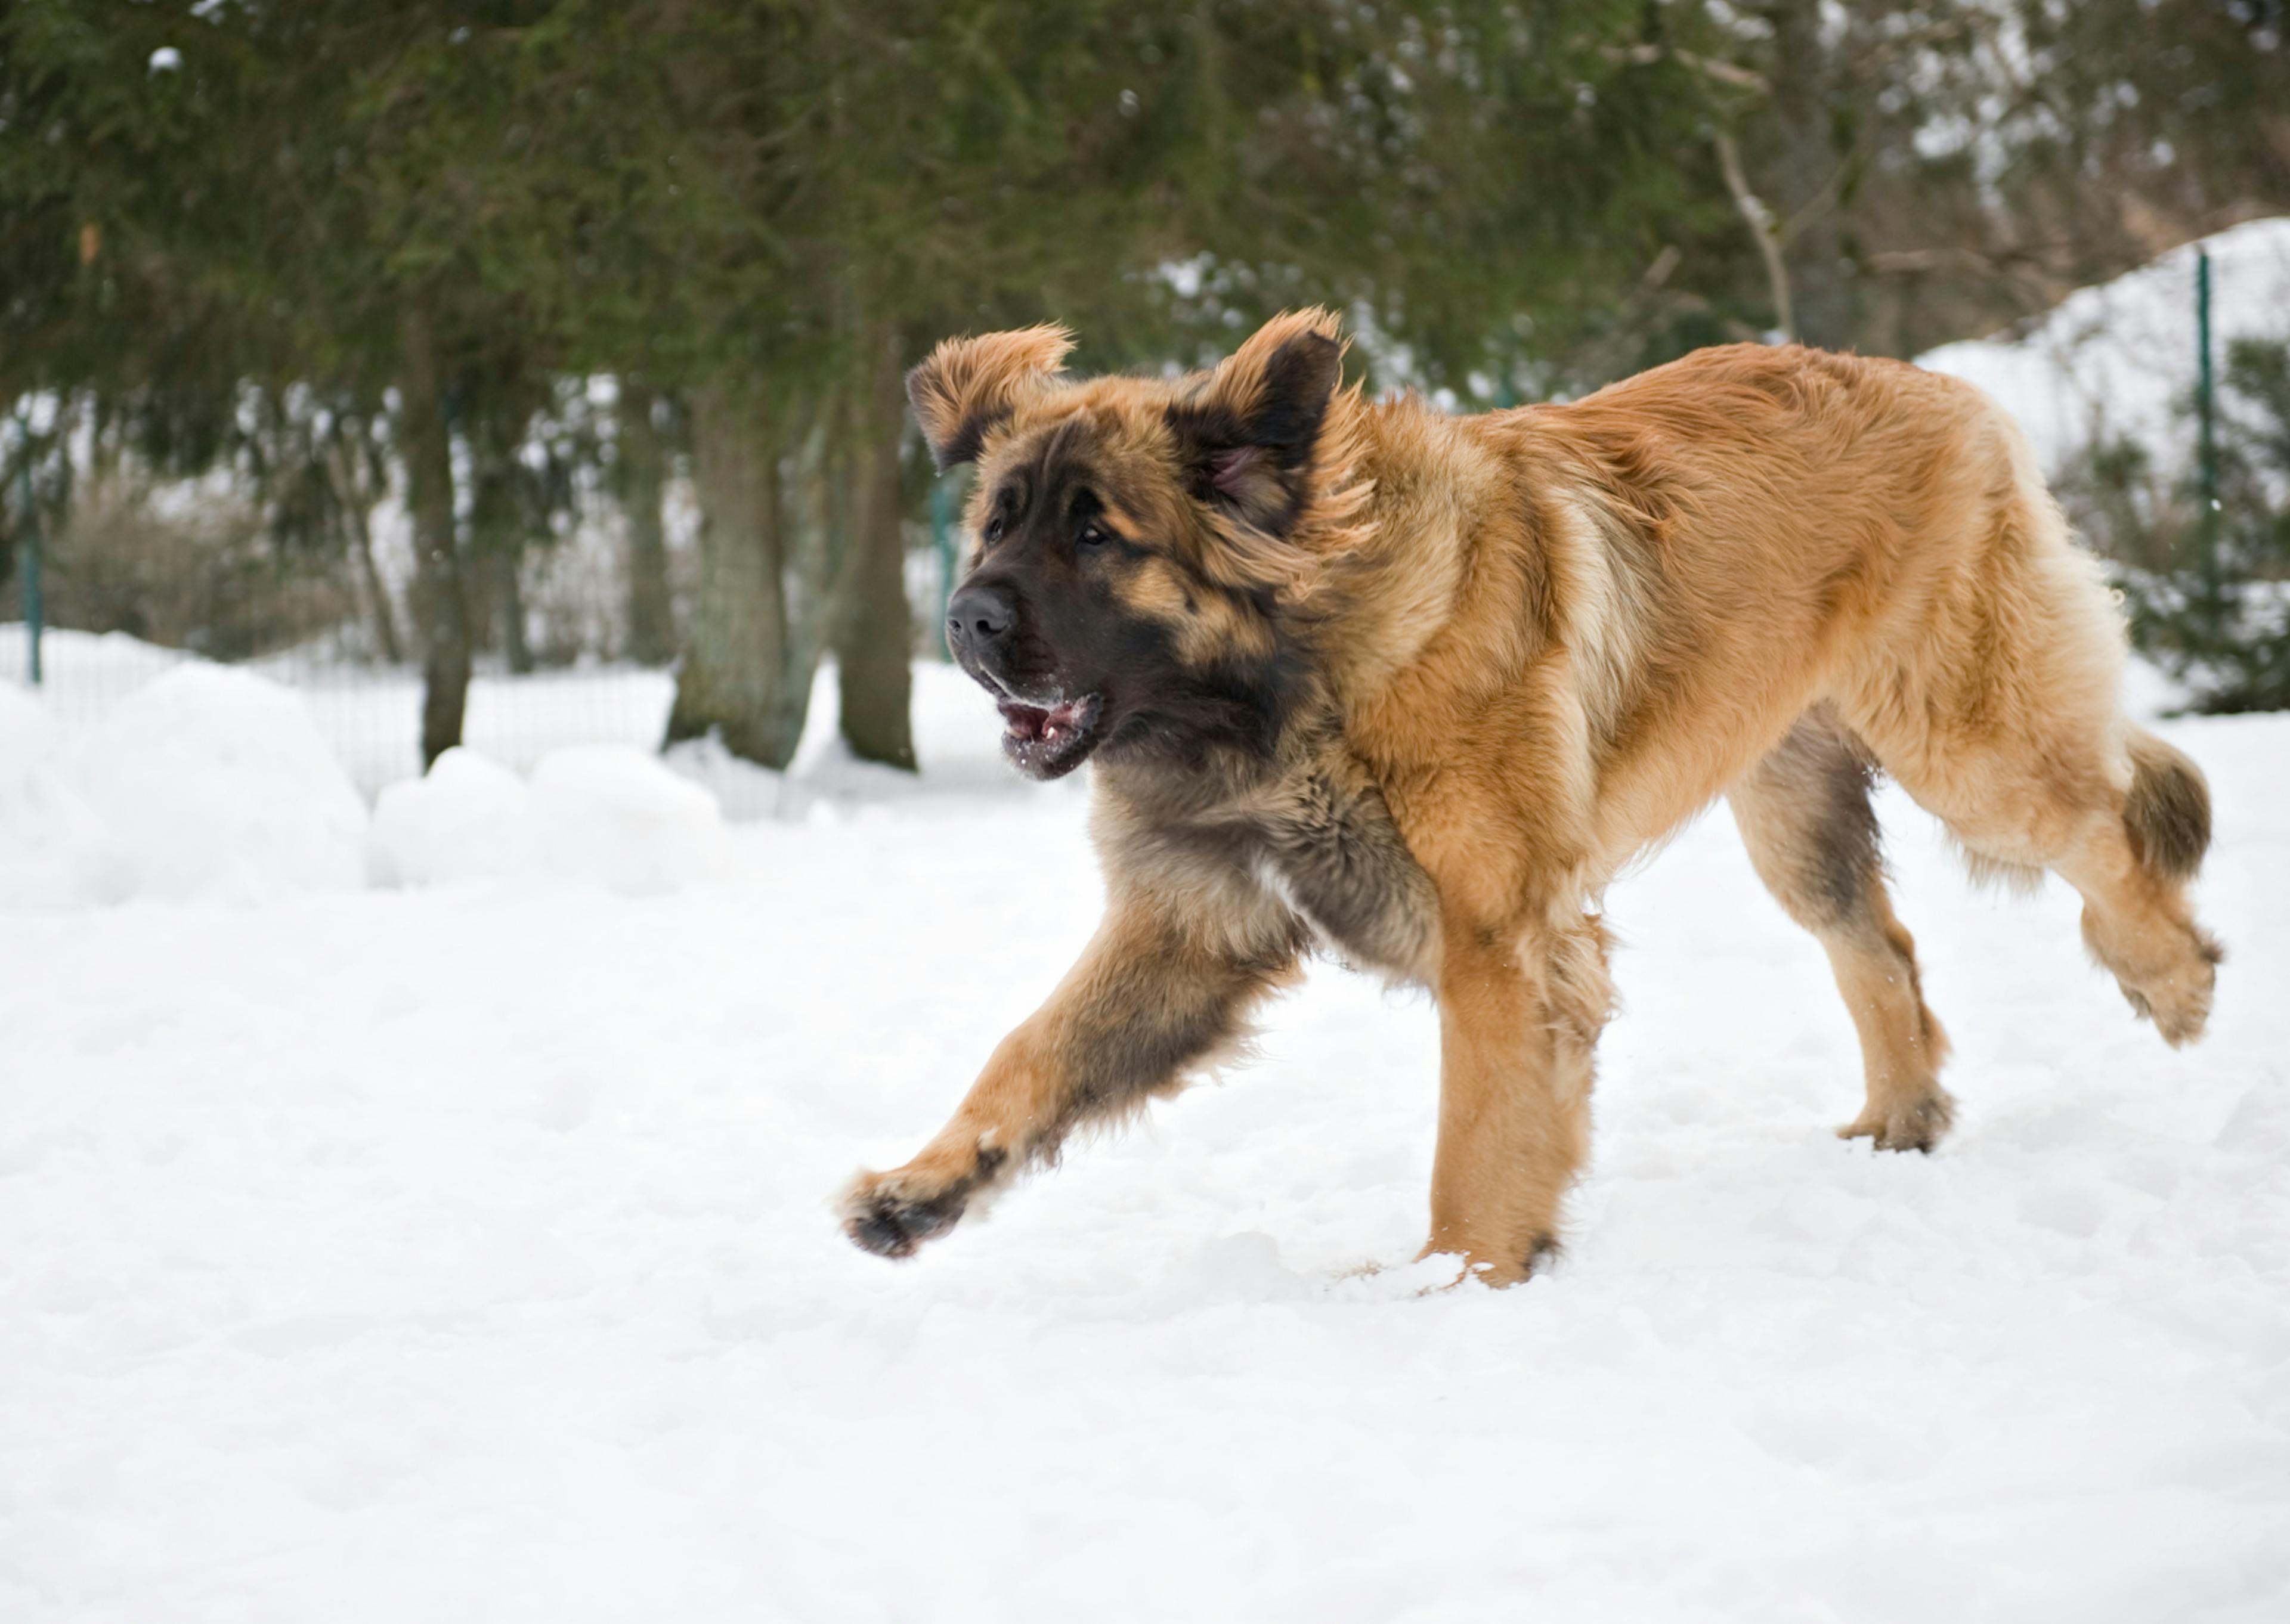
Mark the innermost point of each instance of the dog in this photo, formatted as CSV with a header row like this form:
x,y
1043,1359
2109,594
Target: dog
x,y
1409,689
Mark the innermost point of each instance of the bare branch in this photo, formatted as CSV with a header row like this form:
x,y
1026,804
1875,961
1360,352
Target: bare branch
x,y
1760,222
1708,66
1658,273
1823,199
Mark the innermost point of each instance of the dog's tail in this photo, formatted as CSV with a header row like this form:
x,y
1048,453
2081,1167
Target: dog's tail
x,y
2169,810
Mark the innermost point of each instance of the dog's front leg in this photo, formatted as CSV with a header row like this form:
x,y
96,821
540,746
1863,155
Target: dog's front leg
x,y
1159,992
1519,1015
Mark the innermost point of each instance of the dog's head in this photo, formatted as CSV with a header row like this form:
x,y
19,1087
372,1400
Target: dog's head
x,y
1136,542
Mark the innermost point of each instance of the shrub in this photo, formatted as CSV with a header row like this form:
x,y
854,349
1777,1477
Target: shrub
x,y
2220,626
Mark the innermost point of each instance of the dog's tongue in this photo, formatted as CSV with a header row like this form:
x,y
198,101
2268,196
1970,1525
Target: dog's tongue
x,y
1024,721
1039,722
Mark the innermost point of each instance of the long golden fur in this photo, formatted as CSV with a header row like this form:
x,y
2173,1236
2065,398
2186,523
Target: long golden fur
x,y
1412,688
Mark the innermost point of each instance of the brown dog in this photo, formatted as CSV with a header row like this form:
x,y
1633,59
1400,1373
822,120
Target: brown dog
x,y
1412,688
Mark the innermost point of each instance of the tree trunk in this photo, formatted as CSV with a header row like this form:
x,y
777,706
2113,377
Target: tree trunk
x,y
644,476
873,637
352,497
442,605
732,679
498,530
505,597
820,561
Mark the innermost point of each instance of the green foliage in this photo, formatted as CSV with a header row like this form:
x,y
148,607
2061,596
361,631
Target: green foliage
x,y
2121,506
688,191
2221,625
682,190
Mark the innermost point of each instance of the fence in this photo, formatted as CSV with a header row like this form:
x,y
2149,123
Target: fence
x,y
368,711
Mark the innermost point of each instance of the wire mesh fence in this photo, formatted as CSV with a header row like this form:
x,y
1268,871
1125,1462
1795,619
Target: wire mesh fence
x,y
368,711
369,715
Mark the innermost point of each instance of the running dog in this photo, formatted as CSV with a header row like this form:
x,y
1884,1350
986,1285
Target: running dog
x,y
1410,689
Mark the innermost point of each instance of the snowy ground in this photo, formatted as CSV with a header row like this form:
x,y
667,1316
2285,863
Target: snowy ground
x,y
460,1252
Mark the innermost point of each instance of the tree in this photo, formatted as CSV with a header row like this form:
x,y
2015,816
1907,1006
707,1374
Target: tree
x,y
640,464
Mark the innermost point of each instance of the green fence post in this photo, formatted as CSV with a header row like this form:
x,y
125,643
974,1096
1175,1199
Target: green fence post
x,y
2205,416
35,605
943,544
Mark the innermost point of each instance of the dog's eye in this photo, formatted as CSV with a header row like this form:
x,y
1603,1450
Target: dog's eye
x,y
993,530
1092,535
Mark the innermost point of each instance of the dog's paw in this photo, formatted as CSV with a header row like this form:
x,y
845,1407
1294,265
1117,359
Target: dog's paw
x,y
2180,1003
1493,1269
882,1218
1917,1123
891,1214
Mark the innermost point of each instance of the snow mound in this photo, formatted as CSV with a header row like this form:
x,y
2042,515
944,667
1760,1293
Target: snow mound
x,y
205,782
2118,359
210,782
44,822
745,791
468,819
617,817
609,816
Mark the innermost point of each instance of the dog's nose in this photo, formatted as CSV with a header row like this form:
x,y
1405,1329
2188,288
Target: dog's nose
x,y
980,616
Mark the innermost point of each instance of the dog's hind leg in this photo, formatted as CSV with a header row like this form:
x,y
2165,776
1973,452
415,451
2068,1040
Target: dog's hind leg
x,y
1805,816
2126,833
2133,872
1997,713
2012,736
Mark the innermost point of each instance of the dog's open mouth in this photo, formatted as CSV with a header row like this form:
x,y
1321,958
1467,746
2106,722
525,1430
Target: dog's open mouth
x,y
1046,740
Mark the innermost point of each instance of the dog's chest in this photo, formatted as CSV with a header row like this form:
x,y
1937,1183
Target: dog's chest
x,y
1330,852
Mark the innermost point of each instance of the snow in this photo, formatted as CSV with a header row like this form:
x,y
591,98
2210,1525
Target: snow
x,y
2120,358
617,815
206,781
46,827
601,814
467,819
458,1248
372,715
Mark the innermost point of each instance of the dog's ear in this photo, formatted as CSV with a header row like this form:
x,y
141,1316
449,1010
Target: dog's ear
x,y
969,385
1247,437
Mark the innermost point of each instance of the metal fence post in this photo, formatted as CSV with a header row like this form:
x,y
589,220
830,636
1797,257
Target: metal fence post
x,y
943,544
2205,415
35,605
